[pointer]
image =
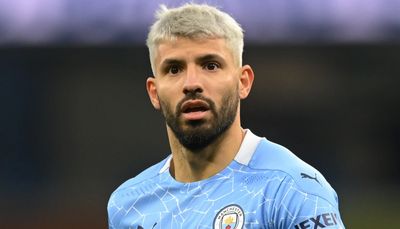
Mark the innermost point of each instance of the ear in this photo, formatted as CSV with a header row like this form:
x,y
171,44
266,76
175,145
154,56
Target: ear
x,y
152,91
246,81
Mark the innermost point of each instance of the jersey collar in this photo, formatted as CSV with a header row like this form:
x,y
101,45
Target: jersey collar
x,y
244,155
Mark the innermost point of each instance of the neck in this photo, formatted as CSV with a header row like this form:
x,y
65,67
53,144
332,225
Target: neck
x,y
189,166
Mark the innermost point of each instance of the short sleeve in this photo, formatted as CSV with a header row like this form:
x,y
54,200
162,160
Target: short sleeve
x,y
298,209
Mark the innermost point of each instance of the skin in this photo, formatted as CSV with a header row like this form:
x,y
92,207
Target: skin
x,y
207,67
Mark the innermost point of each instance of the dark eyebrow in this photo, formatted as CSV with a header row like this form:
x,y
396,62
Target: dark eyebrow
x,y
168,62
199,60
210,57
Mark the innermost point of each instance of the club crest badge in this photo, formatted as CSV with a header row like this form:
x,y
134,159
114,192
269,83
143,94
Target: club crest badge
x,y
229,217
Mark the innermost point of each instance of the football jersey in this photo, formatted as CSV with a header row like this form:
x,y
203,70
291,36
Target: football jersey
x,y
265,186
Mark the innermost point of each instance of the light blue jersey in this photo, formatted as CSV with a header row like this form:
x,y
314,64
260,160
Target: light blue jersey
x,y
265,186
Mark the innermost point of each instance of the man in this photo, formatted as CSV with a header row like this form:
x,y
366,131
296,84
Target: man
x,y
218,175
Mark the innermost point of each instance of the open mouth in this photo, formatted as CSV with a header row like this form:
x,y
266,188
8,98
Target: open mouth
x,y
194,106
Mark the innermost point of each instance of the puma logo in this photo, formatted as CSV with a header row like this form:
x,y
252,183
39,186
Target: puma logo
x,y
303,175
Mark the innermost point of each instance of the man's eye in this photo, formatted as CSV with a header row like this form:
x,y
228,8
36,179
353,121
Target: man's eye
x,y
211,66
174,69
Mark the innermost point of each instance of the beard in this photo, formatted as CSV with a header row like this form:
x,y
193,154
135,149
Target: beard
x,y
195,135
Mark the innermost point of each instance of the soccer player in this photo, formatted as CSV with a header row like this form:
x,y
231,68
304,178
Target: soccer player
x,y
218,174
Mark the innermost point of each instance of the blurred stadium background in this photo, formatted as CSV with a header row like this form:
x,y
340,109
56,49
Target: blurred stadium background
x,y
76,121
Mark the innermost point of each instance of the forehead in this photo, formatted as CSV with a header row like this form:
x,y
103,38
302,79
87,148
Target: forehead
x,y
184,48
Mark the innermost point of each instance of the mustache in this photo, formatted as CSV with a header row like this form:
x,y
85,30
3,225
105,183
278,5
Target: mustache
x,y
194,96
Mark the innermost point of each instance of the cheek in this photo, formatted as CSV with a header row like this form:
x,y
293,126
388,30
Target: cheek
x,y
168,100
229,89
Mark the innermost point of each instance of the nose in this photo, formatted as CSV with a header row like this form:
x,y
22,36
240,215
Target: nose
x,y
192,82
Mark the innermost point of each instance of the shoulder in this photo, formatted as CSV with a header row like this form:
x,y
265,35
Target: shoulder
x,y
133,188
128,193
304,177
145,175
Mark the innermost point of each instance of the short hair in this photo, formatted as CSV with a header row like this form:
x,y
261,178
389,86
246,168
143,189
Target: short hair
x,y
195,21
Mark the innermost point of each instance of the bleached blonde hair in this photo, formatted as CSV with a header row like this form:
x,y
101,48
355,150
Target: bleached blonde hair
x,y
195,21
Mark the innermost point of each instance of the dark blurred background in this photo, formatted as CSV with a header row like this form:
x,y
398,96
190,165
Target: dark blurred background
x,y
76,120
